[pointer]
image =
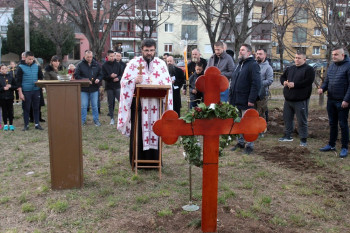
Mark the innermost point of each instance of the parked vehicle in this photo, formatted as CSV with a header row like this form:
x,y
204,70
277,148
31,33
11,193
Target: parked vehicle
x,y
276,64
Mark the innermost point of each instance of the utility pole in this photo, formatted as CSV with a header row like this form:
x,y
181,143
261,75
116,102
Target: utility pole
x,y
26,26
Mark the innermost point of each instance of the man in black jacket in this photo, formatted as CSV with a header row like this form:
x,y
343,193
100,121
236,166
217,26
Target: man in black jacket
x,y
337,84
244,88
89,69
297,81
112,73
195,58
178,78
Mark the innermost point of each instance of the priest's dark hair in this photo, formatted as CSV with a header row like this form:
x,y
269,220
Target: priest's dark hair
x,y
148,43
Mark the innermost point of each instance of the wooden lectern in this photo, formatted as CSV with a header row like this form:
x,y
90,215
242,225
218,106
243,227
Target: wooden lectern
x,y
149,91
64,128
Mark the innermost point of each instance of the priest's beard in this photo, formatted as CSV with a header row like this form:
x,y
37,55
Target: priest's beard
x,y
171,69
148,58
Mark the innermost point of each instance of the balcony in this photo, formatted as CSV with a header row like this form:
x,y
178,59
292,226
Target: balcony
x,y
261,38
130,35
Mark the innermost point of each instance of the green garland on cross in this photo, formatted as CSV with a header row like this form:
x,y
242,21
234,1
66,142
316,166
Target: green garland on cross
x,y
191,144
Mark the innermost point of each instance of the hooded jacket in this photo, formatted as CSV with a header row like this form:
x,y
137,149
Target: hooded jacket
x,y
337,82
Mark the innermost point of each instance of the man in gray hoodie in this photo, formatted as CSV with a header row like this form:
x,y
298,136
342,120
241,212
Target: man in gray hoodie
x,y
224,63
266,74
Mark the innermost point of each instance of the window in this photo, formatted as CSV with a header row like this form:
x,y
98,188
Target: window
x,y
299,35
4,28
301,16
169,7
317,31
282,11
95,4
189,13
168,27
191,31
316,50
319,12
168,48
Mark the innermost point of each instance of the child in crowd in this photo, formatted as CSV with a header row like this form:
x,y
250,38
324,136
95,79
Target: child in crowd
x,y
71,69
195,95
12,71
7,88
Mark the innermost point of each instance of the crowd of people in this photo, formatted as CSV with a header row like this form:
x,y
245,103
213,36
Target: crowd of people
x,y
249,80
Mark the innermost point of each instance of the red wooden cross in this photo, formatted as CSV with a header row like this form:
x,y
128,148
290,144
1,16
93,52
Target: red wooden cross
x,y
170,127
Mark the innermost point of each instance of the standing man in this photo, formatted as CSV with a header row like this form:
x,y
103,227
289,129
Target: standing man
x,y
266,74
195,58
88,68
112,73
337,84
27,74
297,81
153,72
178,79
118,58
224,63
244,88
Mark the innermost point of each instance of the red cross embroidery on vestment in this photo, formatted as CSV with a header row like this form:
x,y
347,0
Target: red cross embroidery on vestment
x,y
140,60
147,140
168,79
121,121
156,74
156,61
132,67
170,102
163,70
127,76
146,124
161,82
145,110
153,139
126,95
154,109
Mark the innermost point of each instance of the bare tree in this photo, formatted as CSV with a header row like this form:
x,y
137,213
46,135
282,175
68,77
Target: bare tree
x,y
331,18
148,17
50,20
94,18
284,22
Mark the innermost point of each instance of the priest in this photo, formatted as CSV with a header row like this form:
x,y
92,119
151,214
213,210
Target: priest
x,y
146,69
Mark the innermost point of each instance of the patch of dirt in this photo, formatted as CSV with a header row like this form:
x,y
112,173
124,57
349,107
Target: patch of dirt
x,y
292,158
317,123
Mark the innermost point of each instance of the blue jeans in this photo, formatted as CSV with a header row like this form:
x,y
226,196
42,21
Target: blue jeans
x,y
31,98
338,114
224,95
85,97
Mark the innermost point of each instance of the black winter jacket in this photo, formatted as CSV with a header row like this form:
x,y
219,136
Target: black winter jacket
x,y
109,68
91,72
245,84
337,82
303,76
8,94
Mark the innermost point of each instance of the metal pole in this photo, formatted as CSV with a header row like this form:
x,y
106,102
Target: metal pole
x,y
26,26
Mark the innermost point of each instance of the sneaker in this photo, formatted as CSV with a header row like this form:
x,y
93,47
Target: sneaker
x,y
97,123
327,148
248,150
41,120
285,139
38,127
112,122
237,146
25,128
343,153
303,144
6,127
12,128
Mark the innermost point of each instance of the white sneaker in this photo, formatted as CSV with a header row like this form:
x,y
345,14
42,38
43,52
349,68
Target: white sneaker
x,y
112,122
